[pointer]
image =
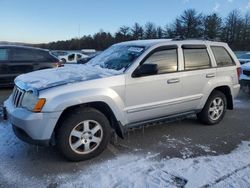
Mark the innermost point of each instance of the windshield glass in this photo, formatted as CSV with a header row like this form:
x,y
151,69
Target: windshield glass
x,y
117,57
245,56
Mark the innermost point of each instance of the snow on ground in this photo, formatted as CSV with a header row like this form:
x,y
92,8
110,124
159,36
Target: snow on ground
x,y
240,104
136,170
147,171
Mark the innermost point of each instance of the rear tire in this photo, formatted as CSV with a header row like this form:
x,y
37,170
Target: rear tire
x,y
214,109
63,60
83,134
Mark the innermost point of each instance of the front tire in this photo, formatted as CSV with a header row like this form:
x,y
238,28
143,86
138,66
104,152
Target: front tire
x,y
83,135
214,109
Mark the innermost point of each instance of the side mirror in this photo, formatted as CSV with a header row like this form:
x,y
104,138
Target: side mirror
x,y
146,70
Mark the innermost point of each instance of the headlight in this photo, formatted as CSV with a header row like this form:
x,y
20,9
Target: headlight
x,y
32,102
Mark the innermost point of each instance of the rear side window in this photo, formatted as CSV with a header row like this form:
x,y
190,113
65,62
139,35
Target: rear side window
x,y
30,55
71,57
4,53
165,59
196,59
222,57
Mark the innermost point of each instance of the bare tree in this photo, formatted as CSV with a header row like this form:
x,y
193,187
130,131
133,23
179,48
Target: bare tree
x,y
190,24
212,26
137,31
123,34
159,32
234,29
150,31
245,34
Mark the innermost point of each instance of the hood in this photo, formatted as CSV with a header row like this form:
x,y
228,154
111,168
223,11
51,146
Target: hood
x,y
47,78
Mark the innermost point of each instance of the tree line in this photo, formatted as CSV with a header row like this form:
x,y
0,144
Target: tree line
x,y
233,29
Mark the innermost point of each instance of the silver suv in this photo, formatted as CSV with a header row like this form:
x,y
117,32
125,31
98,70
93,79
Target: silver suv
x,y
128,85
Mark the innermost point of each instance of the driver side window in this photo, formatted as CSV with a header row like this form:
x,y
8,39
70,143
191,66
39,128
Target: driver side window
x,y
165,59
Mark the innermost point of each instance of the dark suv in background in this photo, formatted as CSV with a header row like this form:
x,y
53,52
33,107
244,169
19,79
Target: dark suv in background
x,y
16,60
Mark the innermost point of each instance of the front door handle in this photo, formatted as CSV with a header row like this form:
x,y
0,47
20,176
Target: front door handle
x,y
174,80
210,75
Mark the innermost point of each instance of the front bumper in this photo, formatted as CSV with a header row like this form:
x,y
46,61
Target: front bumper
x,y
31,127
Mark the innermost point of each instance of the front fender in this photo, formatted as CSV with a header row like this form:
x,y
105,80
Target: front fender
x,y
107,95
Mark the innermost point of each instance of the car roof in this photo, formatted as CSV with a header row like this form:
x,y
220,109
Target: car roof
x,y
20,46
152,42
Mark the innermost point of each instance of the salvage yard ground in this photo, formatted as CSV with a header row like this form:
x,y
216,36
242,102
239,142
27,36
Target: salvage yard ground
x,y
179,154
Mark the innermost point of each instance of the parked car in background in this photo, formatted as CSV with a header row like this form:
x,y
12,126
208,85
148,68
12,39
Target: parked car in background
x,y
245,77
244,58
71,57
59,53
16,60
86,59
129,85
88,52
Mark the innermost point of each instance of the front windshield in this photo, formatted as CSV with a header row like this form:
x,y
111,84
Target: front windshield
x,y
117,57
245,56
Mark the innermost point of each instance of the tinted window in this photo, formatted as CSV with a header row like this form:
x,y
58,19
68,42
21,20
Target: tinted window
x,y
19,54
71,57
4,54
222,57
117,57
165,59
196,59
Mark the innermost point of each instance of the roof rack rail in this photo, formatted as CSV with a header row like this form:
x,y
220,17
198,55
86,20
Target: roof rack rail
x,y
199,38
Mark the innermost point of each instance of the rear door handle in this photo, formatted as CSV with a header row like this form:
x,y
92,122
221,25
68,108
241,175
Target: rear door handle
x,y
174,80
210,75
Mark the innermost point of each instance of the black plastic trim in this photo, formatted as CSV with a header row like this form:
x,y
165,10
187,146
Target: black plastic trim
x,y
169,118
194,46
22,135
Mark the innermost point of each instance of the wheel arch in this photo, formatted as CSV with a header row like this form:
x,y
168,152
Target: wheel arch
x,y
100,106
227,92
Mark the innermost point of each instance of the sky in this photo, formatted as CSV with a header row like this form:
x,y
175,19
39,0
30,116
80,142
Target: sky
x,y
44,21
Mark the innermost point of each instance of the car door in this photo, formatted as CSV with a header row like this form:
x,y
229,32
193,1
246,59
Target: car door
x,y
198,73
21,61
149,97
5,78
78,56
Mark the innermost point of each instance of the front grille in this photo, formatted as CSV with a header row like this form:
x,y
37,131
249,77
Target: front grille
x,y
246,72
17,96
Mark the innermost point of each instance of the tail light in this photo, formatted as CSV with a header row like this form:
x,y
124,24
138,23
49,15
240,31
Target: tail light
x,y
59,64
238,72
